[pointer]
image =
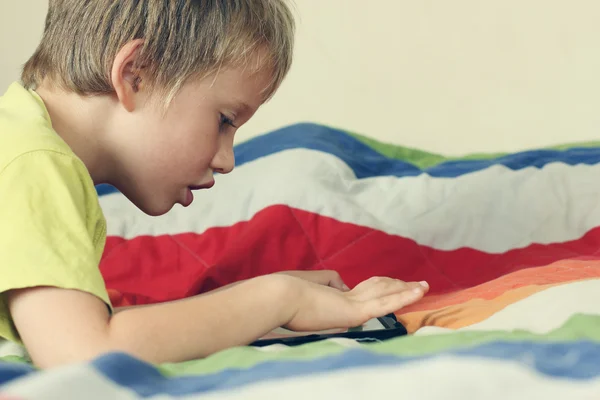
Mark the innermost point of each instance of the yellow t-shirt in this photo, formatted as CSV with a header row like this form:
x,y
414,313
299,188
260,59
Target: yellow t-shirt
x,y
52,229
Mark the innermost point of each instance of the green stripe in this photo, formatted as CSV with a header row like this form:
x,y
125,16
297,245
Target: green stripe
x,y
579,327
14,359
424,159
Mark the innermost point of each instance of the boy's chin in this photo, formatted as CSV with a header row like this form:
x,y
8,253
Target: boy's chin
x,y
153,207
156,210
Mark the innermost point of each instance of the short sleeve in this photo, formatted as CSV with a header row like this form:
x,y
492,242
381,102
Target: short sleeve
x,y
52,230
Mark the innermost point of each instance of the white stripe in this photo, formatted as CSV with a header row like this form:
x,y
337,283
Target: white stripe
x,y
492,210
541,312
11,349
441,378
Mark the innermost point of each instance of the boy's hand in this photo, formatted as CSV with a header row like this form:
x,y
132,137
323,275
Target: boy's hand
x,y
322,307
324,277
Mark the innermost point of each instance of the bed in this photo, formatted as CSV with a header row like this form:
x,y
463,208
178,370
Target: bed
x,y
508,242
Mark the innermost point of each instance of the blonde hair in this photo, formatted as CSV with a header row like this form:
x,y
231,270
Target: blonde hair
x,y
183,39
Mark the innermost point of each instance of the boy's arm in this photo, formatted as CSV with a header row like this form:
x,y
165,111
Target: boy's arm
x,y
322,277
60,326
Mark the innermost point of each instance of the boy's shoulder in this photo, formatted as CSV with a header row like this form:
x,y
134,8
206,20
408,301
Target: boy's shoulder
x,y
25,126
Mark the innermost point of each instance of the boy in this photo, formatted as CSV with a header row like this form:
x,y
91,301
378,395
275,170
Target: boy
x,y
145,95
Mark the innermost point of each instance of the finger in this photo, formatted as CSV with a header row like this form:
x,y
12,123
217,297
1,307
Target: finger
x,y
381,286
385,305
377,287
423,284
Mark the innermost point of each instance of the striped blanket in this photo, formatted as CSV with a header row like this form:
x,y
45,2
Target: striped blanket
x,y
508,242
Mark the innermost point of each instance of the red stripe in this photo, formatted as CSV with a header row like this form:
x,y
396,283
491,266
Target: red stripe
x,y
153,269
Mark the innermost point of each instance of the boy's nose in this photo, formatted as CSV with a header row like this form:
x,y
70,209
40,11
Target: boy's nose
x,y
224,160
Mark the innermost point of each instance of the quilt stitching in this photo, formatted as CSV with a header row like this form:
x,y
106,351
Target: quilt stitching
x,y
349,245
321,263
110,253
436,268
188,250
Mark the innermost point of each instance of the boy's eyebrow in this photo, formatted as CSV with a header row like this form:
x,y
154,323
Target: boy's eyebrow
x,y
242,106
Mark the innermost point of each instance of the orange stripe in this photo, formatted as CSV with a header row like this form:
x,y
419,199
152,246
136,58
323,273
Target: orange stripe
x,y
470,312
556,273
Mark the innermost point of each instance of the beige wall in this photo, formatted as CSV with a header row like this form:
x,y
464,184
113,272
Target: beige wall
x,y
448,76
21,26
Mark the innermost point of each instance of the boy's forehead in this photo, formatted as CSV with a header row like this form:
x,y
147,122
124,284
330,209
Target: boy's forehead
x,y
243,86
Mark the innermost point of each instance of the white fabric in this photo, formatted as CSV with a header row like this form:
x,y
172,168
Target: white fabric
x,y
492,210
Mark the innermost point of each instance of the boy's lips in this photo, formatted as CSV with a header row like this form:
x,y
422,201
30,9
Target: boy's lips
x,y
204,186
189,196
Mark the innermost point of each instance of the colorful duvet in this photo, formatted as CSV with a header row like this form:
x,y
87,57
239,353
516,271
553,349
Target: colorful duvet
x,y
510,244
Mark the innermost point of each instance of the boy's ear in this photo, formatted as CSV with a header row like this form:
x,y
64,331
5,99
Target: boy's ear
x,y
125,77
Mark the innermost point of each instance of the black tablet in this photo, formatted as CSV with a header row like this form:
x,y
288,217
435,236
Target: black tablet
x,y
375,330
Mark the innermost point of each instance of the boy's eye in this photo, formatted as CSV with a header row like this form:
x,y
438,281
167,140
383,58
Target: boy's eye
x,y
225,120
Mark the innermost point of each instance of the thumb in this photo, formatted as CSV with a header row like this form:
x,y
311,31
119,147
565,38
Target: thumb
x,y
338,283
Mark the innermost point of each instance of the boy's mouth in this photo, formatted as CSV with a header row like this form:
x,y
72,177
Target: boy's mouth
x,y
204,186
189,196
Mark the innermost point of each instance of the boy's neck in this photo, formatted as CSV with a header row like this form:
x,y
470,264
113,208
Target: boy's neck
x,y
82,123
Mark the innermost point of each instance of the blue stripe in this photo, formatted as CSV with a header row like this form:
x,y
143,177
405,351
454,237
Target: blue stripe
x,y
105,189
366,162
13,370
576,361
